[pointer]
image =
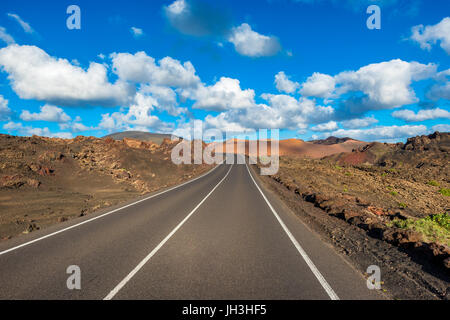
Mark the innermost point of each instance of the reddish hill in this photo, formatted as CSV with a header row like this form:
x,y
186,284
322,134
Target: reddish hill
x,y
293,147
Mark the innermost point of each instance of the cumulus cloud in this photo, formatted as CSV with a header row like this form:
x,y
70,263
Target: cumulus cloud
x,y
329,126
137,32
252,44
18,128
427,36
142,68
36,75
283,84
382,133
5,36
223,95
359,123
138,117
421,115
5,112
165,99
47,113
318,85
75,126
377,86
281,112
441,128
25,25
386,84
197,18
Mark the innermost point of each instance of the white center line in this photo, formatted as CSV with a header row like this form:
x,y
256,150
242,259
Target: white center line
x,y
155,250
315,271
107,213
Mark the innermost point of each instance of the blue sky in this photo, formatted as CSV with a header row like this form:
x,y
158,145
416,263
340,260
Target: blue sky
x,y
310,68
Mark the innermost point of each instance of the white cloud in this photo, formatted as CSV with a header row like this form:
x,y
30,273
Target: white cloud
x,y
318,85
250,43
165,99
359,123
386,84
427,36
17,127
281,112
441,128
283,84
25,25
36,75
142,68
4,109
421,115
223,95
137,32
177,7
75,126
138,117
382,133
48,113
5,36
329,126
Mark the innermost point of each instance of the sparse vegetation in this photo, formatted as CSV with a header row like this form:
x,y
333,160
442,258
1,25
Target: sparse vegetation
x,y
445,192
433,183
402,205
393,193
434,228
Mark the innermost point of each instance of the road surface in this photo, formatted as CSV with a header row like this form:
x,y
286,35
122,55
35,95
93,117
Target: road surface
x,y
220,236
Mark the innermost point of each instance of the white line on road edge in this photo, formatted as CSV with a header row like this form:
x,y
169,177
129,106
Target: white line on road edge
x,y
323,282
155,250
107,213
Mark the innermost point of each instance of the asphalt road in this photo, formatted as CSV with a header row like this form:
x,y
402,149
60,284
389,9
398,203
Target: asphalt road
x,y
221,236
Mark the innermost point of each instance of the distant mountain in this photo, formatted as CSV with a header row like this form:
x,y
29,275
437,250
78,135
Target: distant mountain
x,y
140,135
331,140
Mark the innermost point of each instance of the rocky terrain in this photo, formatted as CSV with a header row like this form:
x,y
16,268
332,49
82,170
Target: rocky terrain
x,y
48,180
388,201
157,138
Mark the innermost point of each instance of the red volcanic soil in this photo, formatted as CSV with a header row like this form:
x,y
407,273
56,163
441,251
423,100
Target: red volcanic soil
x,y
294,147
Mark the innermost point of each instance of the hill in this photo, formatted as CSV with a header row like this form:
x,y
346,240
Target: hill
x,y
157,138
48,180
331,140
296,147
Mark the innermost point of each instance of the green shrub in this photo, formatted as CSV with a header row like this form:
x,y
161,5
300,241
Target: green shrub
x,y
433,183
393,193
445,192
434,228
402,205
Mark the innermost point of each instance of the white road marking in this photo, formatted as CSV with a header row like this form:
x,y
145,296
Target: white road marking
x,y
105,214
159,246
315,271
